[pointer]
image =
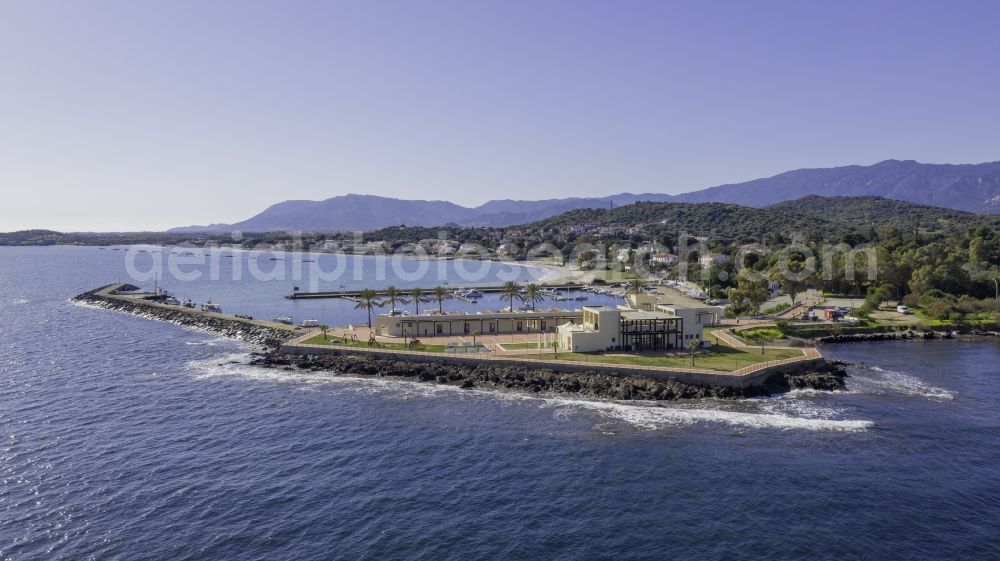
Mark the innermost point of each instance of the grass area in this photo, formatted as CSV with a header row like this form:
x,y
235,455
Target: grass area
x,y
720,357
757,333
777,308
331,340
523,346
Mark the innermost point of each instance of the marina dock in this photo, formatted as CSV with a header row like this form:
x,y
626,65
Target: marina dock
x,y
354,294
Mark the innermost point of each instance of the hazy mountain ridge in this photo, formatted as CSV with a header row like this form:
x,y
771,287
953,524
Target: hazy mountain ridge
x,y
967,187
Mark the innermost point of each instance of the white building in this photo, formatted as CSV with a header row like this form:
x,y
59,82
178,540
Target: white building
x,y
637,328
664,258
713,259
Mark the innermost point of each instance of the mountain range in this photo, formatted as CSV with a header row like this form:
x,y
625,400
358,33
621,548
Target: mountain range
x,y
967,187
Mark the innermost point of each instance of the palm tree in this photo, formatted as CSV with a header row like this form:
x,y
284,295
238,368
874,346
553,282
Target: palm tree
x,y
324,328
533,294
393,296
419,295
693,346
635,286
368,299
440,294
510,291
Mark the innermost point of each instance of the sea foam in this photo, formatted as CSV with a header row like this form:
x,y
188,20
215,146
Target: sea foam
x,y
784,412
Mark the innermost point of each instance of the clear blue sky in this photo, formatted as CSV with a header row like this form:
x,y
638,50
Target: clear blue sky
x,y
178,112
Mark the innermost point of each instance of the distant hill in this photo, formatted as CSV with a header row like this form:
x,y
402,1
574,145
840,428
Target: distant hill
x,y
968,187
859,211
369,212
822,217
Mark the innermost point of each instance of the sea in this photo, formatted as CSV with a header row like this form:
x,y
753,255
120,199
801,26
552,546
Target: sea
x,y
124,438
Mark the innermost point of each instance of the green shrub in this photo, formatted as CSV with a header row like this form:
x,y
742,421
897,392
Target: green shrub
x,y
934,295
940,309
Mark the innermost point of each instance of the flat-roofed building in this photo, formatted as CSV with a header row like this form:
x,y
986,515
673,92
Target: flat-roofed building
x,y
637,330
696,318
610,329
481,323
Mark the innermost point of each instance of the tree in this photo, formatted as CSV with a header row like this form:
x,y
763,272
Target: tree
x,y
749,293
393,296
324,328
692,347
635,286
368,299
510,291
440,294
791,278
533,294
419,295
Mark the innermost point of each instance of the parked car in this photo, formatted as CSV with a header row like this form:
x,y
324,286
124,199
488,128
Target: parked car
x,y
903,309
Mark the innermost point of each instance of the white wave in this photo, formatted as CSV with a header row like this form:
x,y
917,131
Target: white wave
x,y
765,414
652,417
236,365
894,381
212,342
807,403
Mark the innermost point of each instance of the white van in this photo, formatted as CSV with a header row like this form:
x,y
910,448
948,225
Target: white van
x,y
903,309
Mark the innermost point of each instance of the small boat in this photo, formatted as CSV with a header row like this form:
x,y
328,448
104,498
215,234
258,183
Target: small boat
x,y
473,293
171,301
285,320
188,304
210,307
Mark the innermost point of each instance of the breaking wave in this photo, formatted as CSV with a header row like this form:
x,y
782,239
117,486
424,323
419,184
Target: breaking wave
x,y
893,381
793,411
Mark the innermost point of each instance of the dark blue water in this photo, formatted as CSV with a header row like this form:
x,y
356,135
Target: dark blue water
x,y
124,438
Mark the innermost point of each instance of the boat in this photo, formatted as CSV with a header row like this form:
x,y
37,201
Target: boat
x,y
467,295
210,307
171,301
188,304
285,320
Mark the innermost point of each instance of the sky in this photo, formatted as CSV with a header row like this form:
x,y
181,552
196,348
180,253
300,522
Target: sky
x,y
118,115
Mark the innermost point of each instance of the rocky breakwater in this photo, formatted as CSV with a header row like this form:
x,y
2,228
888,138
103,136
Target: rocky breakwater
x,y
537,380
112,298
907,335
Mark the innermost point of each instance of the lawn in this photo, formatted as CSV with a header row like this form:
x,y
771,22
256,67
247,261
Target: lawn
x,y
332,340
720,357
523,346
755,334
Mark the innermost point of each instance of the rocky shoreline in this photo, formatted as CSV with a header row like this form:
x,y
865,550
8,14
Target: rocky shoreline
x,y
829,377
234,328
907,335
